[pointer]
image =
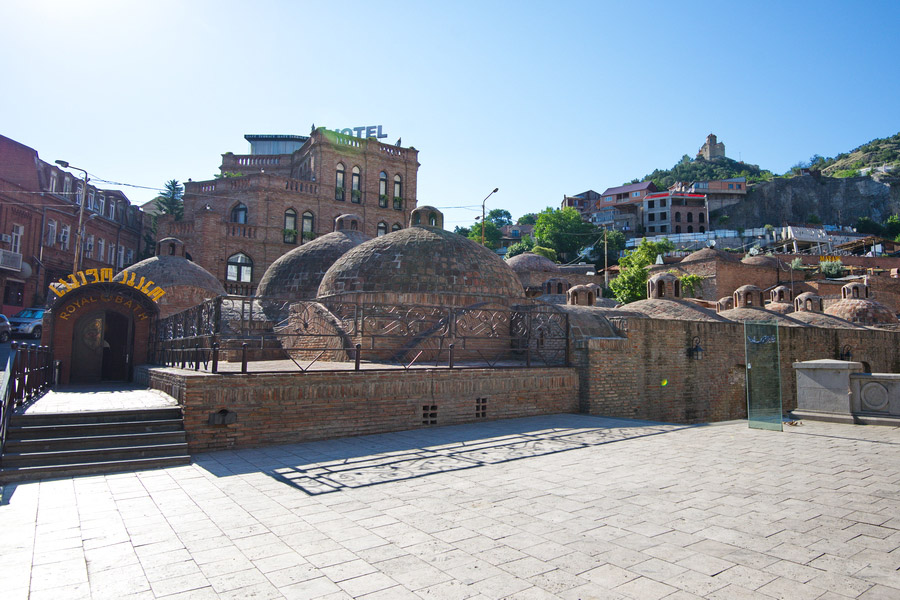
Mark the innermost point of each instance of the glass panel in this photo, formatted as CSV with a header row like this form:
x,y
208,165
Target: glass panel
x,y
763,375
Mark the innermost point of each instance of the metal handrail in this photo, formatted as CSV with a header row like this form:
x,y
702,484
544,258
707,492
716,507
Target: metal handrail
x,y
27,376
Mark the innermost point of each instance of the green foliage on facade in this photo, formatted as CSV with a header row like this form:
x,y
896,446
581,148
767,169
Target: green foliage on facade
x,y
631,284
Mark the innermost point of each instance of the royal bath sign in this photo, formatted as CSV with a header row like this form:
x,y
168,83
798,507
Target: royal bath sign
x,y
368,131
80,278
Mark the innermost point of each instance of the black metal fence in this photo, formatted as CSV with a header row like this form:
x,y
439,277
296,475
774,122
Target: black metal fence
x,y
28,374
240,333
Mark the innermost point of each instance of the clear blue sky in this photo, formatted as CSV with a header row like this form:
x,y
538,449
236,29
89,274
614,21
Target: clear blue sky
x,y
540,99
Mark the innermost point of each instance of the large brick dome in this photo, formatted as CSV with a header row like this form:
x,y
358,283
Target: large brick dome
x,y
297,274
531,262
422,265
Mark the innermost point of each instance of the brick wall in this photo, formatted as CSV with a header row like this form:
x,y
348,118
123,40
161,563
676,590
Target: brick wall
x,y
280,408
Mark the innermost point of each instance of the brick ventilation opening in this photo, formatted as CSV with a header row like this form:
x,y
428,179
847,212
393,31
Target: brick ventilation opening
x,y
429,414
480,408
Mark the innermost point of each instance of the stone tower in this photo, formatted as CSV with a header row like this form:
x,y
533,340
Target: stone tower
x,y
712,149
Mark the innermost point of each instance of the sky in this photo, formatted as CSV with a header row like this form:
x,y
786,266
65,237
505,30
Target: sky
x,y
539,99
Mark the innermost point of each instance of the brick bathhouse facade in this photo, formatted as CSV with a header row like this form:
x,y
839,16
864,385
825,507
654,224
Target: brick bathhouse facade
x,y
287,191
39,206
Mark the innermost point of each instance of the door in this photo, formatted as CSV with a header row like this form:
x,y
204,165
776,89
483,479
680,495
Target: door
x,y
116,347
102,348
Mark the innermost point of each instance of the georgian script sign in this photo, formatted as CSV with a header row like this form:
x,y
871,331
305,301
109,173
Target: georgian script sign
x,y
80,278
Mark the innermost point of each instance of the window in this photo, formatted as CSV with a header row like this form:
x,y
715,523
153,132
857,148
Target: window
x,y
515,233
290,226
50,235
64,236
14,293
635,194
111,258
678,217
101,204
690,229
121,257
239,268
662,216
90,200
652,229
89,247
662,203
67,187
738,186
651,217
339,182
382,190
355,191
396,227
308,225
662,228
678,229
78,193
702,229
432,220
239,214
730,186
701,218
382,229
690,217
112,210
16,244
53,177
101,246
650,204
129,256
398,193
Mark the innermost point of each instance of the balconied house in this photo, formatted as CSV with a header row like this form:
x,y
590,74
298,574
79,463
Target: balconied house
x,y
39,211
621,207
287,191
585,203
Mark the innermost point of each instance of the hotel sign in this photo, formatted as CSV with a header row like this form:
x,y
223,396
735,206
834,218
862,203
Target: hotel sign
x,y
81,278
363,132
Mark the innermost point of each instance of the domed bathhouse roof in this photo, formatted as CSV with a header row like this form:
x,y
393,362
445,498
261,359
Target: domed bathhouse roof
x,y
710,254
755,313
422,265
663,285
762,260
297,274
531,262
186,283
856,307
673,309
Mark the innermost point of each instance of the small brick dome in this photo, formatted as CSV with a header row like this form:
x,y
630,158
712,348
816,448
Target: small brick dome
x,y
808,302
427,216
422,265
762,261
297,274
531,262
709,254
556,285
726,303
748,295
664,285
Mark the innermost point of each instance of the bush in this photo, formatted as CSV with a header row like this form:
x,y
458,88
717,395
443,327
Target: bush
x,y
548,252
832,268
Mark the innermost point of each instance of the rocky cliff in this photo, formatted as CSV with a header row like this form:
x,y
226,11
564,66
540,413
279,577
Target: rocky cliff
x,y
834,201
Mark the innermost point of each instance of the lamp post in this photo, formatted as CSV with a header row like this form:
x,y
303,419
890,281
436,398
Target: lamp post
x,y
482,212
79,242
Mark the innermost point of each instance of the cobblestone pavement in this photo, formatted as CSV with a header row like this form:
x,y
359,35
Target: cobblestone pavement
x,y
566,506
97,397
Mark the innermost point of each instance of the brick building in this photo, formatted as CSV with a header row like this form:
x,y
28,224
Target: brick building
x,y
39,209
621,207
286,192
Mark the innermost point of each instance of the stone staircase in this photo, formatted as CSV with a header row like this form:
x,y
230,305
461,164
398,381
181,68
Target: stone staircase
x,y
50,445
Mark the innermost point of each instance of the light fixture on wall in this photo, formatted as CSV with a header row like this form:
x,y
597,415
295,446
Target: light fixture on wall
x,y
695,350
846,352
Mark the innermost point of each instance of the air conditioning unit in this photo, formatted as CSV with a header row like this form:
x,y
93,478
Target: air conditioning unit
x,y
5,237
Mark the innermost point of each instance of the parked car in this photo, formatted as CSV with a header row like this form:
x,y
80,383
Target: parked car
x,y
29,321
4,329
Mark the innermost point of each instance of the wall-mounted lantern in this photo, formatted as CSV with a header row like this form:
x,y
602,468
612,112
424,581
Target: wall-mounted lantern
x,y
846,352
695,350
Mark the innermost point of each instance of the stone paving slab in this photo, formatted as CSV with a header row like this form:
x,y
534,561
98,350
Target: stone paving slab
x,y
564,506
89,398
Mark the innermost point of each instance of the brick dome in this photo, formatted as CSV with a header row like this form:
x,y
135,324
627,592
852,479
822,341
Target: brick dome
x,y
672,310
762,261
297,274
862,311
709,254
755,313
422,265
531,262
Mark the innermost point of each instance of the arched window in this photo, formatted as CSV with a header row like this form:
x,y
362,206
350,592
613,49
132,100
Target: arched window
x,y
239,268
690,229
702,229
354,225
355,191
382,229
678,229
678,217
339,182
690,217
701,218
432,220
396,227
239,213
382,190
290,226
559,288
308,226
417,219
398,193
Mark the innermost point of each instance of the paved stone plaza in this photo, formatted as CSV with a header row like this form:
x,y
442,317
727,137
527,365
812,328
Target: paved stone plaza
x,y
566,506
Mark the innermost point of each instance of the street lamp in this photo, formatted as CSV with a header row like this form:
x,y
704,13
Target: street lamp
x,y
482,212
80,230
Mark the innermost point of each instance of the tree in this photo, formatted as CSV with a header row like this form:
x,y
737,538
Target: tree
x,y
892,227
463,231
631,284
545,252
867,225
499,217
563,230
170,201
527,219
522,247
492,234
615,243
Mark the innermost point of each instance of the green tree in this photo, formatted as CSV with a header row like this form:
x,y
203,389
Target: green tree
x,y
563,230
631,284
892,227
527,219
170,201
867,225
615,243
522,247
547,252
832,268
499,217
463,231
492,234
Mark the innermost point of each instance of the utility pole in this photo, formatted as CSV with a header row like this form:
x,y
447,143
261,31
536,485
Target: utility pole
x,y
605,259
79,233
482,213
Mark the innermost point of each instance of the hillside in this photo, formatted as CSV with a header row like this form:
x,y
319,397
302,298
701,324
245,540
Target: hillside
x,y
878,152
704,170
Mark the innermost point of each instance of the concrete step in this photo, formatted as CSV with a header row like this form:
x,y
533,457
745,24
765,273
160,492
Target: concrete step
x,y
87,417
58,443
70,430
91,455
8,475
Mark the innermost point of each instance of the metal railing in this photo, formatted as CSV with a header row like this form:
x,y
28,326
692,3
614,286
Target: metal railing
x,y
239,333
28,375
